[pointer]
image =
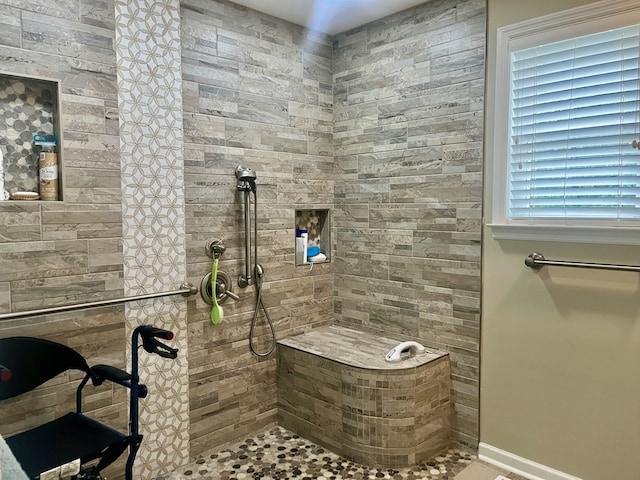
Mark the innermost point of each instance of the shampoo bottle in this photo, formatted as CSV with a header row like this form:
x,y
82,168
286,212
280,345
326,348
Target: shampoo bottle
x,y
48,166
304,243
305,239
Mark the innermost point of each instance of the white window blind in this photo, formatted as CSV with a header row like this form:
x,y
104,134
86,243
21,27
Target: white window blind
x,y
574,113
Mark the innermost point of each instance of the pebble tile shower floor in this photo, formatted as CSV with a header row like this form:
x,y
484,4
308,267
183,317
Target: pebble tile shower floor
x,y
280,455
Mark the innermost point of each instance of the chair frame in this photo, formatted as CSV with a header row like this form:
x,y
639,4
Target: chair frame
x,y
97,374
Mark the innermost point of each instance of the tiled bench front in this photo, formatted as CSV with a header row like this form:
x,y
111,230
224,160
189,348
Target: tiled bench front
x,y
335,388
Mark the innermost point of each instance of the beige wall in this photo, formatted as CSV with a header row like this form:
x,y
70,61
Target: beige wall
x,y
561,347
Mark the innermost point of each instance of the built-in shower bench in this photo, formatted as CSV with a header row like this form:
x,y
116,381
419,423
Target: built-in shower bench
x,y
336,389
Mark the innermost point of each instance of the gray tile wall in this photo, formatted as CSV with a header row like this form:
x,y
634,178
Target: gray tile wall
x,y
257,91
58,253
408,157
408,94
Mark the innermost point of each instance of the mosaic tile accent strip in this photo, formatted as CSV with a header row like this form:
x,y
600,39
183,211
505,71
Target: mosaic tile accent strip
x,y
281,454
151,138
164,417
26,108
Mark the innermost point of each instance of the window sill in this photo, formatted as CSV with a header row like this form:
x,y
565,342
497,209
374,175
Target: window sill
x,y
563,233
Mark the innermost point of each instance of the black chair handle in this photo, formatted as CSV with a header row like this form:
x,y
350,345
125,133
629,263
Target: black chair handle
x,y
113,374
151,344
5,374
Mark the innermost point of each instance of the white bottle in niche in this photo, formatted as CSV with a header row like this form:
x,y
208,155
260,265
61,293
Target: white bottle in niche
x,y
305,244
299,250
302,239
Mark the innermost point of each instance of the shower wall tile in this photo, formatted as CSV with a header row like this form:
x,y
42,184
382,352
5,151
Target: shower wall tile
x,y
5,296
20,223
67,9
257,92
92,207
47,34
61,253
46,250
98,13
64,221
11,26
408,143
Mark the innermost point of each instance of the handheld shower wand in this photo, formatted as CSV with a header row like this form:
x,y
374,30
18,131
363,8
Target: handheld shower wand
x,y
247,185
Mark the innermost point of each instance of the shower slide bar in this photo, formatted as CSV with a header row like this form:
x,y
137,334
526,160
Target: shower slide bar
x,y
186,290
537,261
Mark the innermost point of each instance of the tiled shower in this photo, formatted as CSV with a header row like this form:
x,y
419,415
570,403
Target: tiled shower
x,y
382,126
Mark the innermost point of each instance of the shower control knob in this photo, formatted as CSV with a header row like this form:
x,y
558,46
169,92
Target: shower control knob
x,y
215,248
223,288
232,295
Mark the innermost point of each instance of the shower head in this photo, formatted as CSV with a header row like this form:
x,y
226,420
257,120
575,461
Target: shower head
x,y
245,174
246,178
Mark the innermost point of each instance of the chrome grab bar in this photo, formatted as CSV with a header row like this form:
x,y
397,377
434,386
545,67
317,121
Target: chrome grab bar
x,y
186,290
537,261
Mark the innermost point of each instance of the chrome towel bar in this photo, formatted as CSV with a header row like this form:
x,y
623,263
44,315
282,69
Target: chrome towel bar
x,y
537,261
186,290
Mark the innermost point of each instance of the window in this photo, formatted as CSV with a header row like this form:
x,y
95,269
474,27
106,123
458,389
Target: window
x,y
573,118
570,169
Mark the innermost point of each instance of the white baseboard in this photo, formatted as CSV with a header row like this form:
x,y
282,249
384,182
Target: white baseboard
x,y
519,465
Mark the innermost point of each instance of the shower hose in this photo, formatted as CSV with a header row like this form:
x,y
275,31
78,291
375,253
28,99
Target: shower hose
x,y
258,274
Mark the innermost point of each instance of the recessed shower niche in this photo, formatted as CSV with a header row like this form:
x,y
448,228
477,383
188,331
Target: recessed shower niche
x,y
313,236
29,106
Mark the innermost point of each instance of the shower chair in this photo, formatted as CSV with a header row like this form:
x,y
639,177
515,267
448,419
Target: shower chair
x,y
74,439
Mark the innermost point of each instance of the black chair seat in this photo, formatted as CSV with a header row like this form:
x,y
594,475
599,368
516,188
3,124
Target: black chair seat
x,y
62,441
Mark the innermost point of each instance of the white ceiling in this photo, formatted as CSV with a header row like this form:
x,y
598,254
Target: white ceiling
x,y
329,16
